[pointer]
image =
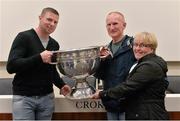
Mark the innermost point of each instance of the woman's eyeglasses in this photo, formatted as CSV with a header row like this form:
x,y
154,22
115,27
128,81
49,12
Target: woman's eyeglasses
x,y
141,45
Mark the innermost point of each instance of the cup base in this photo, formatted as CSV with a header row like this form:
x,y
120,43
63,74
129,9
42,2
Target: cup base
x,y
81,93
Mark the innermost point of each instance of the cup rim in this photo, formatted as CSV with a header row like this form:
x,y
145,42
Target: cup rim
x,y
77,49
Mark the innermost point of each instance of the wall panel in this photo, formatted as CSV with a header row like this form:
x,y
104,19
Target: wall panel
x,y
82,22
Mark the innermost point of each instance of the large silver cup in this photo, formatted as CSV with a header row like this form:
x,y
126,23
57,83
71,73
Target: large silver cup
x,y
78,64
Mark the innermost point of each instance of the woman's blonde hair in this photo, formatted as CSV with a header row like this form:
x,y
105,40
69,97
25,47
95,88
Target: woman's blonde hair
x,y
148,39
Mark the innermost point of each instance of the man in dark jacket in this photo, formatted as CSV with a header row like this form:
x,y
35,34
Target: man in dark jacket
x,y
116,60
29,58
145,87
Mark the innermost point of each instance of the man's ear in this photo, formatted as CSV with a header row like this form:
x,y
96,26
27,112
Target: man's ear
x,y
124,24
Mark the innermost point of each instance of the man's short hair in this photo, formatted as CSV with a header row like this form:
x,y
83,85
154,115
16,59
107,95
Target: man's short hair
x,y
49,9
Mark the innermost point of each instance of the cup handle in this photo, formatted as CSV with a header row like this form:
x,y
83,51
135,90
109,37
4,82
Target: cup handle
x,y
54,57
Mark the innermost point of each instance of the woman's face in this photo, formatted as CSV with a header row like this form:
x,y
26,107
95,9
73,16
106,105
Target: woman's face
x,y
140,49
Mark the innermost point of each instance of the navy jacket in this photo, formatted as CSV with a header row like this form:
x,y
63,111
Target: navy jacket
x,y
114,71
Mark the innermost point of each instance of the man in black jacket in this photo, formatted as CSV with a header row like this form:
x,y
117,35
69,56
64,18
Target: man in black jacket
x,y
29,58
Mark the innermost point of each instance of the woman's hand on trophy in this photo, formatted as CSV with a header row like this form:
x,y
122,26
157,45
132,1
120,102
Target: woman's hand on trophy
x,y
66,89
95,95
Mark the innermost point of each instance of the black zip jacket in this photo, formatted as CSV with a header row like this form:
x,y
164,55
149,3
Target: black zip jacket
x,y
144,90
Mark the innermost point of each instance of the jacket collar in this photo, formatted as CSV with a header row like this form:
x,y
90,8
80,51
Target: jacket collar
x,y
125,46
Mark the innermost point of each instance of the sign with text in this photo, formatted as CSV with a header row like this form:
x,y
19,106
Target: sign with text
x,y
79,105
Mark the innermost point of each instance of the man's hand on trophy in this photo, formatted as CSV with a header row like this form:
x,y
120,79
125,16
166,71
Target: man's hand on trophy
x,y
105,52
46,56
66,89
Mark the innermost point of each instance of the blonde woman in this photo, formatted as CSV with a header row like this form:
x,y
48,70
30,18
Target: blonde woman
x,y
144,88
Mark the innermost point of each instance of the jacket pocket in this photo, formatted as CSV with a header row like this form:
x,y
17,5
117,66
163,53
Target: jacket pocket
x,y
138,113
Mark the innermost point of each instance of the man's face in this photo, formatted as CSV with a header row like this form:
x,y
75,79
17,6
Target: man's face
x,y
48,22
115,25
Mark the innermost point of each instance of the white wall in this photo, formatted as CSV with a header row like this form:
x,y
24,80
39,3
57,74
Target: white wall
x,y
82,22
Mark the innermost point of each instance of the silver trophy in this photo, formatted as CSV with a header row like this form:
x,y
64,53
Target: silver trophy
x,y
78,64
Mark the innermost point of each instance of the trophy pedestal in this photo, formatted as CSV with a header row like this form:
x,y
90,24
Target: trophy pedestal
x,y
82,90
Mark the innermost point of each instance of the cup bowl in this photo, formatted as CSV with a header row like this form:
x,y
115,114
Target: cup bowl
x,y
78,63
